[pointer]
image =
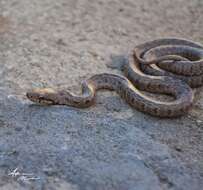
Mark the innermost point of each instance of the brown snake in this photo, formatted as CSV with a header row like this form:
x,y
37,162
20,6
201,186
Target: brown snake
x,y
168,66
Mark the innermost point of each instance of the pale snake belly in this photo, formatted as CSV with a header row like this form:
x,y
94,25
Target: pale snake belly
x,y
165,66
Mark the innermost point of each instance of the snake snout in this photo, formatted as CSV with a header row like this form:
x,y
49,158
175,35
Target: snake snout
x,y
33,96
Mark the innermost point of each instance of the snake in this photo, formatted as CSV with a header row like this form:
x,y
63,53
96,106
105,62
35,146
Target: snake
x,y
170,66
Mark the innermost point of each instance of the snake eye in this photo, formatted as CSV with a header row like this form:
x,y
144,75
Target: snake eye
x,y
29,95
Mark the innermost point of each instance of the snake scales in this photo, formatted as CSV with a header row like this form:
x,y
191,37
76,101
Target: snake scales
x,y
167,66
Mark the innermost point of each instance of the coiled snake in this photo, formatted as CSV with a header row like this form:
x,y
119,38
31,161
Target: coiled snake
x,y
168,66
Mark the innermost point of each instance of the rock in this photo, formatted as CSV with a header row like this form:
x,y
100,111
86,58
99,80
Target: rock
x,y
56,44
121,156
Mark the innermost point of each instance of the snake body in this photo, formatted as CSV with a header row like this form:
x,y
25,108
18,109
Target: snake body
x,y
165,66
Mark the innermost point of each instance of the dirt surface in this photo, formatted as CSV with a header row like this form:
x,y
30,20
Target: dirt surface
x,y
110,145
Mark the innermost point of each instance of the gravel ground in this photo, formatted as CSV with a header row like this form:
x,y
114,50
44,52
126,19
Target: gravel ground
x,y
110,145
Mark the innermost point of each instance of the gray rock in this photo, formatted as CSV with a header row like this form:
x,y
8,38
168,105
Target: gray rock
x,y
102,153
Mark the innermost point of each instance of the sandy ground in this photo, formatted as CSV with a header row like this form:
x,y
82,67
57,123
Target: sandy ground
x,y
60,43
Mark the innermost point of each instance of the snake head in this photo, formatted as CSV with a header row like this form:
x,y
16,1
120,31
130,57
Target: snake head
x,y
41,96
